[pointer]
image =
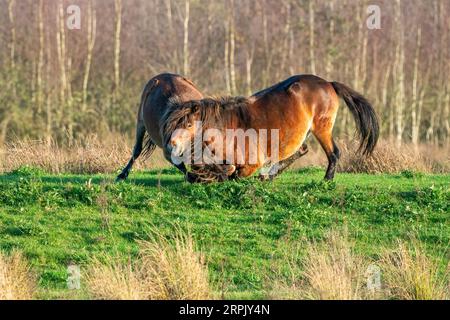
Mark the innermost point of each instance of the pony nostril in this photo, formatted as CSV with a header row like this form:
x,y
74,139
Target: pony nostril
x,y
174,148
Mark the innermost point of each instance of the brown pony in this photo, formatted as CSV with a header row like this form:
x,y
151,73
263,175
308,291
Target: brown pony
x,y
157,94
296,106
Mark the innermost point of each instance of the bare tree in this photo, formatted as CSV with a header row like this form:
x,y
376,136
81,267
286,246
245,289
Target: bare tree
x,y
40,66
249,54
416,114
312,56
227,57
329,63
61,49
4,123
361,51
13,33
91,35
232,49
267,52
285,55
175,59
399,75
118,28
186,70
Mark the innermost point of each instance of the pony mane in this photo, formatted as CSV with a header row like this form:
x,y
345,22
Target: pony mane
x,y
214,112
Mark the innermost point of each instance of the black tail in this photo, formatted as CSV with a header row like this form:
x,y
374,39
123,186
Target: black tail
x,y
364,115
148,147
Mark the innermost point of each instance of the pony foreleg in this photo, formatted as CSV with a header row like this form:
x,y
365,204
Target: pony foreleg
x,y
279,167
140,133
181,166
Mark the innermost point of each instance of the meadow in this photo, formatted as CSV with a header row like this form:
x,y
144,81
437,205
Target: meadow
x,y
253,235
72,74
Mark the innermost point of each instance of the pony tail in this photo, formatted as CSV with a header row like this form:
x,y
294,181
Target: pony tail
x,y
149,146
365,117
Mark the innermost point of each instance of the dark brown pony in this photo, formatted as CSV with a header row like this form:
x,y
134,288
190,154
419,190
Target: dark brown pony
x,y
156,96
296,106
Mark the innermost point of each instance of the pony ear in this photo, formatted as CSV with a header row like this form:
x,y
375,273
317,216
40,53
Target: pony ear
x,y
189,81
154,83
295,87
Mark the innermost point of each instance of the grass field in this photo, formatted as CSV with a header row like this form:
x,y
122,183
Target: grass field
x,y
245,229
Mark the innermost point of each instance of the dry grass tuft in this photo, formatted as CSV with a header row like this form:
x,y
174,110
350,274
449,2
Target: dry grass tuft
x,y
329,271
177,270
165,270
107,155
17,282
385,159
388,158
332,271
410,274
112,280
92,155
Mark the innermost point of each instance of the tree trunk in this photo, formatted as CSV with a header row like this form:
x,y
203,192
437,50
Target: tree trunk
x,y
186,70
227,58
363,70
48,94
4,128
12,50
173,36
91,34
118,13
329,63
358,57
384,97
286,40
232,51
415,125
61,51
40,89
400,75
267,52
13,33
311,37
248,68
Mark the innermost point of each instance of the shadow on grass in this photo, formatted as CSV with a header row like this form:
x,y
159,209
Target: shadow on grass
x,y
147,179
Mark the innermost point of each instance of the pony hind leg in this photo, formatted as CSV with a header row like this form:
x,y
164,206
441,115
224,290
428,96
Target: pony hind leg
x,y
329,146
137,150
279,167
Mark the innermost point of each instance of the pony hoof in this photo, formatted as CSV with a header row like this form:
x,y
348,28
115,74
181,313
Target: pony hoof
x,y
191,178
121,177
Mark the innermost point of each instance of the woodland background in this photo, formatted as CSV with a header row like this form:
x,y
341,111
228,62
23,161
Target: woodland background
x,y
64,85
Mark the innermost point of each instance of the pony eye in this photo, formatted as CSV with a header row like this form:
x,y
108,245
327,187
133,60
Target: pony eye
x,y
189,125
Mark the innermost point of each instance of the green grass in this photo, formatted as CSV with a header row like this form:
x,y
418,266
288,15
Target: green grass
x,y
244,228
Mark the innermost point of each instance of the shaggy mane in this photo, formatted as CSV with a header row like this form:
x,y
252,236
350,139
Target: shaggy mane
x,y
220,112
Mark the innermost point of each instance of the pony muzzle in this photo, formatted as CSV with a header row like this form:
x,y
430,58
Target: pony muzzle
x,y
175,150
